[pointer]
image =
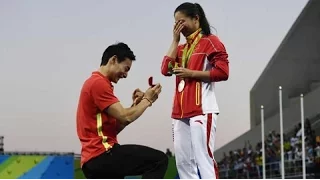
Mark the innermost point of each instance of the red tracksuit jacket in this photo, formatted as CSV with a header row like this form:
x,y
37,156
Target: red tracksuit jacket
x,y
199,97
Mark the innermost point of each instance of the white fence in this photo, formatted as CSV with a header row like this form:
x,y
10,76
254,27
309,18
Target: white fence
x,y
293,170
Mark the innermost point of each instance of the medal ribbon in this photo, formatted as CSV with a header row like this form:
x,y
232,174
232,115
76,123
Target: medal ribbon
x,y
192,41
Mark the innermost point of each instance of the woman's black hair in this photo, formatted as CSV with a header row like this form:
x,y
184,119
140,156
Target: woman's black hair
x,y
194,10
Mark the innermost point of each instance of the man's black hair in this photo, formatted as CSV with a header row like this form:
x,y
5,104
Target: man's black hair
x,y
121,50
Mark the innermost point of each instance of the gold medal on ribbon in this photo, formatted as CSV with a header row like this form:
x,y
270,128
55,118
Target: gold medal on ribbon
x,y
192,42
187,52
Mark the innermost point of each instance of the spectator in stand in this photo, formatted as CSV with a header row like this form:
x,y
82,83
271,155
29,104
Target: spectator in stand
x,y
286,145
294,140
309,153
307,124
317,150
241,162
318,139
298,130
298,152
289,154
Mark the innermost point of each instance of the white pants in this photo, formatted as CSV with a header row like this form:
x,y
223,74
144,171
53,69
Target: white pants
x,y
194,145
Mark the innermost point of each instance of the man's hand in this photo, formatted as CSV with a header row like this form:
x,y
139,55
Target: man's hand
x,y
152,93
183,72
137,96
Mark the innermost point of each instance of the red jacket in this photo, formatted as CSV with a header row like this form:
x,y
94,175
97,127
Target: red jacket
x,y
199,97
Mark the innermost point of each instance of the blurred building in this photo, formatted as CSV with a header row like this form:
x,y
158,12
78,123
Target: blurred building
x,y
296,67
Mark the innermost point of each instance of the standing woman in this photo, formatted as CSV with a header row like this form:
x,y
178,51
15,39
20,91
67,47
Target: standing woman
x,y
198,64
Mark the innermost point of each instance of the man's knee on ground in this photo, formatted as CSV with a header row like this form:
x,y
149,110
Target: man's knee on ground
x,y
163,159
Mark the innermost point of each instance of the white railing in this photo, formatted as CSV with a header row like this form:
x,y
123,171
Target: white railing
x,y
293,169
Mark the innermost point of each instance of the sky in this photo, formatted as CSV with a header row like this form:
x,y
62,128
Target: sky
x,y
48,49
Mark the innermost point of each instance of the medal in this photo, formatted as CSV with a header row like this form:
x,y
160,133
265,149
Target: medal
x,y
181,85
189,47
187,52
